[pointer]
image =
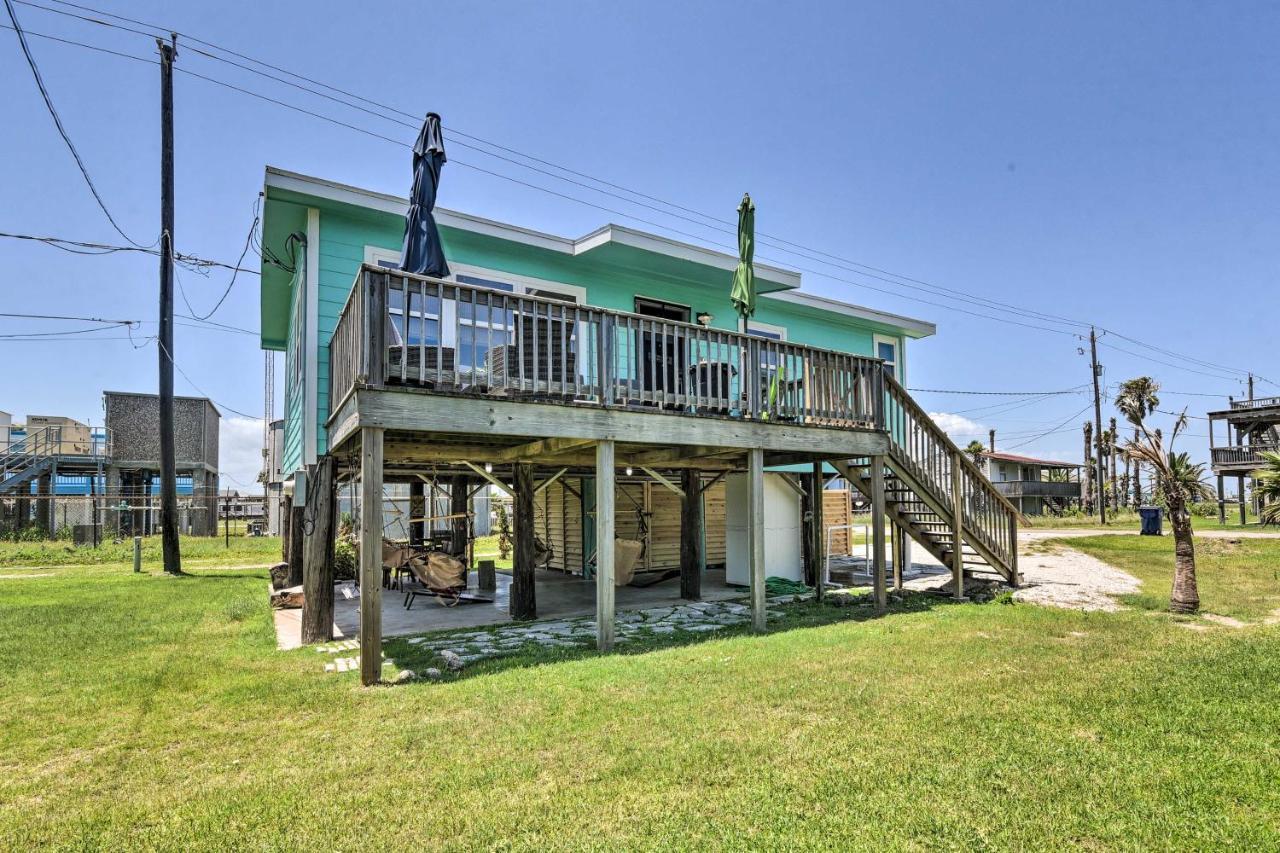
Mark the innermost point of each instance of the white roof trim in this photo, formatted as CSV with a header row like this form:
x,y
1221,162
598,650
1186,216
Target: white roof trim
x,y
912,327
345,194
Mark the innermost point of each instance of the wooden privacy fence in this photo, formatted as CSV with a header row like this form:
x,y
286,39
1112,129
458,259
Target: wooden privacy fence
x,y
398,329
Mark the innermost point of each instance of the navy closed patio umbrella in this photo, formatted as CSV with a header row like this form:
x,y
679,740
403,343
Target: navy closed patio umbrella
x,y
423,253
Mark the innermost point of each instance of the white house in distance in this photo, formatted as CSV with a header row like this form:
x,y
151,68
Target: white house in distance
x,y
1035,486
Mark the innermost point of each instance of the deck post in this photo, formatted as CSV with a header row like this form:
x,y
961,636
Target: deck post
x,y
371,445
286,509
418,510
460,524
814,531
899,555
524,604
1222,500
297,523
957,526
755,536
877,533
605,591
1240,497
691,534
317,556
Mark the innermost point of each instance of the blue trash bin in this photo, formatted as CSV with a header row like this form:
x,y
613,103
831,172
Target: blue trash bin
x,y
1152,520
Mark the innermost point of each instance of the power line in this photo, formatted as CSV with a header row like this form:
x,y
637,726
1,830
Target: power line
x,y
66,317
1075,390
716,223
898,280
199,390
1054,430
57,121
66,333
193,262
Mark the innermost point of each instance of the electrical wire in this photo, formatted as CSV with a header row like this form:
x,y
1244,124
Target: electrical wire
x,y
1052,431
898,279
199,390
62,131
193,262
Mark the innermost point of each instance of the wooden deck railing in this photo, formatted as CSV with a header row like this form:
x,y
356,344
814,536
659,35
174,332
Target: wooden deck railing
x,y
401,330
1241,456
1037,488
1259,403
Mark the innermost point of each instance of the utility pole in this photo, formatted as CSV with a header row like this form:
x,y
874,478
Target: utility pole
x,y
991,440
168,472
1250,386
1097,424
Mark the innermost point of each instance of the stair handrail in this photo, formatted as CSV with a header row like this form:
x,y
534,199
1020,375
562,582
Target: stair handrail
x,y
20,453
903,397
1004,538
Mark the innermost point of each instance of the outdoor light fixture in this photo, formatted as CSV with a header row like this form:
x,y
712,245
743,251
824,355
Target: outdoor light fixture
x,y
628,470
704,319
488,467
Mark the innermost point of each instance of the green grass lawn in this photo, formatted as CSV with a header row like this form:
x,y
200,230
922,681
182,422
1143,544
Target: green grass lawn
x,y
1129,520
143,711
1236,577
196,551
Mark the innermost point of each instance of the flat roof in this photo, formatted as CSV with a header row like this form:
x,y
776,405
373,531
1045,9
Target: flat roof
x,y
787,281
204,400
1028,460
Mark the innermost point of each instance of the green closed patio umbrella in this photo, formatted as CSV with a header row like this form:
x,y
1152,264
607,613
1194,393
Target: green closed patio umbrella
x,y
743,294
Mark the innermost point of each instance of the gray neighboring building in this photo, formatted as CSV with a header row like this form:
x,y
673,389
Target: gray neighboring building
x,y
133,427
275,478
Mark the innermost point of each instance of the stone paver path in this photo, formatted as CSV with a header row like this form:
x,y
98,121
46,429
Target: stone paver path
x,y
470,647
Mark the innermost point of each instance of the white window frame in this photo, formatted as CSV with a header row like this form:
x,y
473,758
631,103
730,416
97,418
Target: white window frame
x,y
768,329
896,343
448,324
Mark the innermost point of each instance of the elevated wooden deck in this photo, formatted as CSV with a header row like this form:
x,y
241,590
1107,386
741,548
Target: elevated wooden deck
x,y
431,377
451,361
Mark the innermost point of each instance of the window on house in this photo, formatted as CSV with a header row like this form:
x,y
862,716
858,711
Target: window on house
x,y
887,350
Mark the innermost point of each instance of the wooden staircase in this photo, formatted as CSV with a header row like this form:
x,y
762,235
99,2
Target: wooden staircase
x,y
932,487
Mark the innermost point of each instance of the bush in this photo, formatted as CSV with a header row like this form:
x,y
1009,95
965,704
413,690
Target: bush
x,y
344,560
1204,509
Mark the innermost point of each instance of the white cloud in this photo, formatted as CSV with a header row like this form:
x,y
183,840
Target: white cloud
x,y
240,453
959,428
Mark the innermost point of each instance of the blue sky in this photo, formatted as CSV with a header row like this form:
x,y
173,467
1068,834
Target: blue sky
x,y
1115,163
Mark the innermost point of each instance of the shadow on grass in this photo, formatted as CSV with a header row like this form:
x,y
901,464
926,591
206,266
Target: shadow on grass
x,y
795,616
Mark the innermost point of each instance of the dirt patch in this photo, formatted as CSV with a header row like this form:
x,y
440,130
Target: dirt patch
x,y
1225,621
1064,577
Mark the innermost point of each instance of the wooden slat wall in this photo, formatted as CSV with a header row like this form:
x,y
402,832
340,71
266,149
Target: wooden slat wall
x,y
626,520
664,527
713,520
835,510
559,523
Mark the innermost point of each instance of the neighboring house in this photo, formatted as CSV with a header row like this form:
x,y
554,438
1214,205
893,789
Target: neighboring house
x,y
1252,428
1035,486
133,427
555,353
57,471
273,455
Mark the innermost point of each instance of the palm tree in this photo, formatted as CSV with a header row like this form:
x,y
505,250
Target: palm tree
x,y
1138,398
1268,487
975,449
1178,480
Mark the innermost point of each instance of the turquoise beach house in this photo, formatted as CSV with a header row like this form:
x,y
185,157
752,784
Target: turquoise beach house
x,y
605,384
